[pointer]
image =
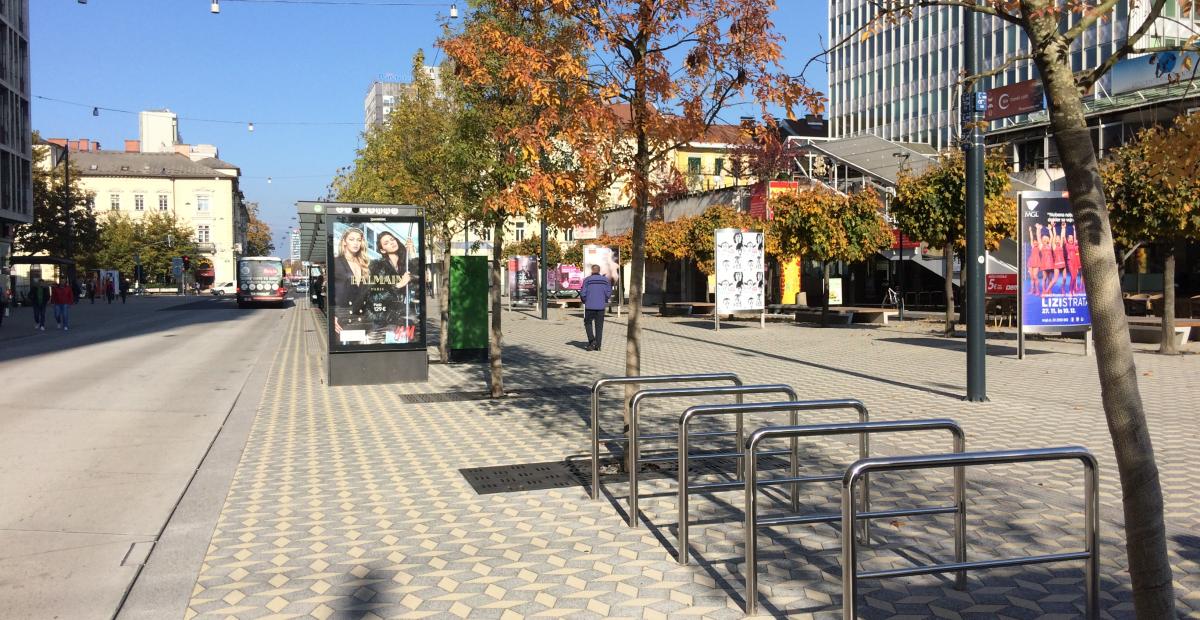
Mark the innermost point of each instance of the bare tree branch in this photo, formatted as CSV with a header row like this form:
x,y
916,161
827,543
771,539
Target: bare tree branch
x,y
1132,41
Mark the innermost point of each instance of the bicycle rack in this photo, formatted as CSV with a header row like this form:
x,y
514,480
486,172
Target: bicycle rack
x,y
1091,517
601,383
959,509
635,403
793,408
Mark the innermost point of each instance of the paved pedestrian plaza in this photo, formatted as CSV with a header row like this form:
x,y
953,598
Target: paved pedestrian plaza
x,y
355,502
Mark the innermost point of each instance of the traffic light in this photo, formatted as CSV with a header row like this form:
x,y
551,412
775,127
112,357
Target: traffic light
x,y
187,263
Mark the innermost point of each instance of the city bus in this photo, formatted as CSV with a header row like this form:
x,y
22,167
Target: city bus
x,y
260,280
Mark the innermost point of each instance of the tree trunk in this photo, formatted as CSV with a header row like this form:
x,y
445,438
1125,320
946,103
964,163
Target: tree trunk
x,y
1145,534
495,334
666,272
444,304
641,204
1168,316
825,297
948,272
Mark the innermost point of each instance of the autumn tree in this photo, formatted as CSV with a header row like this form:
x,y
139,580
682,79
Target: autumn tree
x,y
673,65
47,234
153,240
532,246
1052,28
700,241
258,234
820,224
427,154
1153,185
931,207
667,242
525,75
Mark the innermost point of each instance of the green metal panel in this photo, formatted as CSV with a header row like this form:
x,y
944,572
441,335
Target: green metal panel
x,y
469,303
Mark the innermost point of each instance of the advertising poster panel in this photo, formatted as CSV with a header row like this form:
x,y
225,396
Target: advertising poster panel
x,y
739,270
609,260
1052,294
375,283
1157,69
835,291
564,278
522,279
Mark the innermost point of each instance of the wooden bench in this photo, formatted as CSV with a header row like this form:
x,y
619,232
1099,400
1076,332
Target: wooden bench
x,y
1148,329
688,308
837,315
565,303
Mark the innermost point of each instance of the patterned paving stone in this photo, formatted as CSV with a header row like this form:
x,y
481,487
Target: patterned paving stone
x,y
349,501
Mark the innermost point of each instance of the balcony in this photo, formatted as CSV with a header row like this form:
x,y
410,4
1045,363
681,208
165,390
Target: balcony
x,y
206,248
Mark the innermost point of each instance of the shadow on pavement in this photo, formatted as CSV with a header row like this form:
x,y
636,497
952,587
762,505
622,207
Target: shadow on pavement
x,y
97,325
948,344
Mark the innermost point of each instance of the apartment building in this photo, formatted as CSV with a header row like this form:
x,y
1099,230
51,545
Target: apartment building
x,y
16,149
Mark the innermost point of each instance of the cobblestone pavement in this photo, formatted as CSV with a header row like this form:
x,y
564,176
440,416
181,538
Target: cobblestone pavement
x,y
349,502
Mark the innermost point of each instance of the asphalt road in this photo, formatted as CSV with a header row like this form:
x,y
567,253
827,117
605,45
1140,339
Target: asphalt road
x,y
102,430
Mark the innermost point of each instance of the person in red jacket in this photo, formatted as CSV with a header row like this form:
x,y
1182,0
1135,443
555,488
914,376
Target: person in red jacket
x,y
62,297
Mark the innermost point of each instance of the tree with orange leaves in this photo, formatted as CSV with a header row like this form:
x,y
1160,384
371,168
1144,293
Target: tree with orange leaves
x,y
523,72
672,66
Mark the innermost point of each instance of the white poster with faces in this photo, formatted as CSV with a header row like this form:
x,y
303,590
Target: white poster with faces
x,y
740,270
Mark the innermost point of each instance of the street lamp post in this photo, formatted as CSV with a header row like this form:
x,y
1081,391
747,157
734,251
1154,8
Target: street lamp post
x,y
974,103
542,266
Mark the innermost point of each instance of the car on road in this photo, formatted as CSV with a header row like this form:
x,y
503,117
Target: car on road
x,y
229,288
301,287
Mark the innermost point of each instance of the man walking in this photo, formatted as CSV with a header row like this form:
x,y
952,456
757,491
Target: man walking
x,y
39,296
595,293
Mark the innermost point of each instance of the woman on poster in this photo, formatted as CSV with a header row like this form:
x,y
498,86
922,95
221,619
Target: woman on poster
x,y
1060,259
1033,264
350,282
1074,266
1046,259
392,316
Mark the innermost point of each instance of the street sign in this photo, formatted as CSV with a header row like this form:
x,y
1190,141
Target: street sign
x,y
177,267
981,99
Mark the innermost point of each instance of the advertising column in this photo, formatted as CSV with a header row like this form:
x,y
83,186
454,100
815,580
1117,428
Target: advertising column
x,y
376,289
1052,295
740,275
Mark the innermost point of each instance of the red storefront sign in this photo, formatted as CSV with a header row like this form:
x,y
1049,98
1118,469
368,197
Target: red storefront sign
x,y
1020,98
909,242
1001,284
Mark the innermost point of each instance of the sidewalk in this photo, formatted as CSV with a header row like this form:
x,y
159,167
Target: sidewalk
x,y
353,501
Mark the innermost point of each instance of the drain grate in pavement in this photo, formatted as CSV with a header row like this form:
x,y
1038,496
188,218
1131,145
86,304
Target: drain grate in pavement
x,y
461,396
524,477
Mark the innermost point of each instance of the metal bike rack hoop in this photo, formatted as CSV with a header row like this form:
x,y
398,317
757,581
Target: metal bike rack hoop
x,y
722,390
606,381
781,432
792,408
1091,518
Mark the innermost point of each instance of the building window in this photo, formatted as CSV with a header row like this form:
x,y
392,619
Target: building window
x,y
162,202
201,203
520,236
139,202
569,234
202,233
485,234
693,166
114,202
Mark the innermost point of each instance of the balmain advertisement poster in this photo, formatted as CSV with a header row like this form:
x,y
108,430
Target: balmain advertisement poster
x,y
1052,294
740,277
376,284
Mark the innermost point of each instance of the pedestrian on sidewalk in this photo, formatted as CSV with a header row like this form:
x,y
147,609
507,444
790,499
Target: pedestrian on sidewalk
x,y
62,297
110,289
595,293
124,289
39,296
92,285
3,297
76,291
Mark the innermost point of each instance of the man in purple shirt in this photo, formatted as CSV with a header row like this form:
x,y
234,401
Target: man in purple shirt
x,y
595,293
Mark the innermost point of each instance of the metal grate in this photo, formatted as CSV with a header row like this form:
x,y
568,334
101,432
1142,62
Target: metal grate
x,y
525,477
461,396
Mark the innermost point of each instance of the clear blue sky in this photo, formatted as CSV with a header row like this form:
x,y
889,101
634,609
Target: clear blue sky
x,y
255,62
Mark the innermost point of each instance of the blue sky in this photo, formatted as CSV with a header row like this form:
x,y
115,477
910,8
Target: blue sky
x,y
255,62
